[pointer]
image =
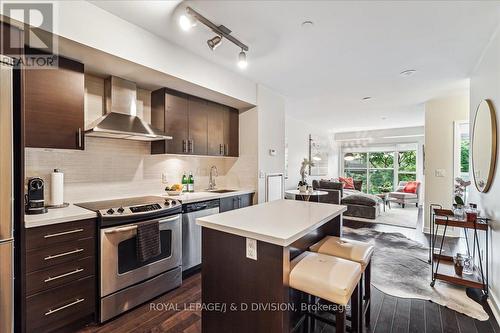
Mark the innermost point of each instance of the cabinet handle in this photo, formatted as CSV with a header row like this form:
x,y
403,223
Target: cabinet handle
x,y
226,149
191,146
184,146
50,278
51,311
62,254
79,137
63,233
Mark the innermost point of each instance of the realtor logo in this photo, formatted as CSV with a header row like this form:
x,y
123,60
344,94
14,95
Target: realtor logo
x,y
38,19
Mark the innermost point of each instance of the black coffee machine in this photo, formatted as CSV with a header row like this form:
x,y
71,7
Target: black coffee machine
x,y
34,197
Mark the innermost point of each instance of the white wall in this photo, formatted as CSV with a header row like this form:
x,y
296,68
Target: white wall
x,y
440,115
271,135
297,136
87,24
485,84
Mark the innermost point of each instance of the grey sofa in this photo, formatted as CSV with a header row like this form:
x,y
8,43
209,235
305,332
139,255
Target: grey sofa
x,y
358,204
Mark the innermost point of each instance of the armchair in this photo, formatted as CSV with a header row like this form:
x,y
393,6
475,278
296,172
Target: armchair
x,y
403,198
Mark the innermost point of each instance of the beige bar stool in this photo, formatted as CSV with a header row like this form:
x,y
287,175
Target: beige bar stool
x,y
357,251
332,279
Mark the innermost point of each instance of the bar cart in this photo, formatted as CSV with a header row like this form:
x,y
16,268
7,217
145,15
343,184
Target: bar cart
x,y
442,266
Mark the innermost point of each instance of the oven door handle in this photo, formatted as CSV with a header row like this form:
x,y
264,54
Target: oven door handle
x,y
123,229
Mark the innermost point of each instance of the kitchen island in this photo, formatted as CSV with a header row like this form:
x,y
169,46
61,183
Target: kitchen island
x,y
246,257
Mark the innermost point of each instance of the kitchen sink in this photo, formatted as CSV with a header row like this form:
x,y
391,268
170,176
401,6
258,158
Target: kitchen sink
x,y
221,191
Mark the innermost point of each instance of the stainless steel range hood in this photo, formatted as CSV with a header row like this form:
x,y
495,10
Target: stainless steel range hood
x,y
120,120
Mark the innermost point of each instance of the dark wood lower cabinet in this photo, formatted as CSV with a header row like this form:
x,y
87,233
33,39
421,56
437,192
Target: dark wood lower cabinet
x,y
235,202
56,308
59,281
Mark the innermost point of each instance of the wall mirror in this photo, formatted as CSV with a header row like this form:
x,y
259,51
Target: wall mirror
x,y
484,146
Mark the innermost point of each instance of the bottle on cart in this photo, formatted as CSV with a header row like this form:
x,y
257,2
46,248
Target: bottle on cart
x,y
190,182
184,183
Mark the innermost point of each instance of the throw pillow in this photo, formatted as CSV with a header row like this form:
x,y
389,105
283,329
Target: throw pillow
x,y
348,183
411,187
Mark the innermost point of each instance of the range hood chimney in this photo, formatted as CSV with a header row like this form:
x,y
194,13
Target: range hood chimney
x,y
120,120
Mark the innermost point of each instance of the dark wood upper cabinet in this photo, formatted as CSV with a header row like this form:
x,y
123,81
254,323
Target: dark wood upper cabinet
x,y
197,122
198,127
231,132
216,124
169,112
54,106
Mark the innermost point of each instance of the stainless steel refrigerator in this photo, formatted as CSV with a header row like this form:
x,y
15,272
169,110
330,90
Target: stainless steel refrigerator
x,y
6,198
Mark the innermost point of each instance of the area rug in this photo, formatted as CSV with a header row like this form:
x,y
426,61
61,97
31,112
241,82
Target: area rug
x,y
400,268
402,217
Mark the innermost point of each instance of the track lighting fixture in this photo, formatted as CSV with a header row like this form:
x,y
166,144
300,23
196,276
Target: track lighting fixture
x,y
186,22
189,19
213,43
242,60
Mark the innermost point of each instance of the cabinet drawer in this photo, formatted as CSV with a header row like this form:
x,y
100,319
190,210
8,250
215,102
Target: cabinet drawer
x,y
61,253
57,233
57,307
58,275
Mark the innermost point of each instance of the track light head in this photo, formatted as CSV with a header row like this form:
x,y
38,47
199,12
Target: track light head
x,y
242,60
187,21
213,43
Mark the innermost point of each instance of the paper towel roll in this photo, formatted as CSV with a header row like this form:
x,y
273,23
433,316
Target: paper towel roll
x,y
57,188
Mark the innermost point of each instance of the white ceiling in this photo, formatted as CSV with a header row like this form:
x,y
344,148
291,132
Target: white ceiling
x,y
355,49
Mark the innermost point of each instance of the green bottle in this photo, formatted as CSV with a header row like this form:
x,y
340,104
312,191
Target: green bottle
x,y
184,183
190,182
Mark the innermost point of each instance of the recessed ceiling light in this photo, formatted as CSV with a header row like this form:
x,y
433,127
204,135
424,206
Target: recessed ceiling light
x,y
408,72
366,98
307,24
383,118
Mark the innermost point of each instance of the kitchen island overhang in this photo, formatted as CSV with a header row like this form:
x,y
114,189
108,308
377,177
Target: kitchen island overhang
x,y
246,257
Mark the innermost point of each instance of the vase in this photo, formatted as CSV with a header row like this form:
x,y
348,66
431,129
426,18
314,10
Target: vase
x,y
303,188
459,212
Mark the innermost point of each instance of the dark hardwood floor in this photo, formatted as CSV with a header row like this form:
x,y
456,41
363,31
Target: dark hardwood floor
x,y
388,313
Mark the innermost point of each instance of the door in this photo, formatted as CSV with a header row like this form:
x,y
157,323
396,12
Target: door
x,y
197,120
119,264
216,126
244,200
231,132
176,123
6,199
191,237
6,286
227,204
54,115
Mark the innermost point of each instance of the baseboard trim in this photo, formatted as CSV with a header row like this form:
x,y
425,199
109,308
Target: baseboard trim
x,y
494,306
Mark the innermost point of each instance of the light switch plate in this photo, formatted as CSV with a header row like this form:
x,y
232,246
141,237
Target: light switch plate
x,y
251,248
440,172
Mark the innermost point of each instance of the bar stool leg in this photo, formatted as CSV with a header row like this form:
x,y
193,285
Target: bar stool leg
x,y
356,301
367,292
340,320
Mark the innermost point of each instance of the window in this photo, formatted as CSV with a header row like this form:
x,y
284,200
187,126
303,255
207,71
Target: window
x,y
380,171
407,165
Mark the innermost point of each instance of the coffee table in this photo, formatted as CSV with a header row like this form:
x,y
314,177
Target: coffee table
x,y
306,196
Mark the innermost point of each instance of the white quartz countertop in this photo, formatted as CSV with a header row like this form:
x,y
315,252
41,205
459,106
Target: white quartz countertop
x,y
58,215
202,196
279,222
75,213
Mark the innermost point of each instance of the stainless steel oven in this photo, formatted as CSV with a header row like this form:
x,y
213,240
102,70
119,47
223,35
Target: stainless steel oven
x,y
125,281
120,266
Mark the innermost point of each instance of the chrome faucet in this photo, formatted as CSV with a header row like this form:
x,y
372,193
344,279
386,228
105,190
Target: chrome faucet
x,y
211,181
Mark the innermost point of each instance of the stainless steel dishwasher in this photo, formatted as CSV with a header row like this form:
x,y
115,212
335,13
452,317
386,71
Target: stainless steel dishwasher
x,y
191,233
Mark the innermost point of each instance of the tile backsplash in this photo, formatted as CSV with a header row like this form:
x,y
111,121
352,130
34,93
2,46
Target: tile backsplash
x,y
110,168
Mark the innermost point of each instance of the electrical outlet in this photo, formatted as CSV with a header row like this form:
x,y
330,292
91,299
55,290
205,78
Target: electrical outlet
x,y
251,248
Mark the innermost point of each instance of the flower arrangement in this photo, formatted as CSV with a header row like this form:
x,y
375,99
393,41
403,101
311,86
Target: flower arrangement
x,y
303,171
460,191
